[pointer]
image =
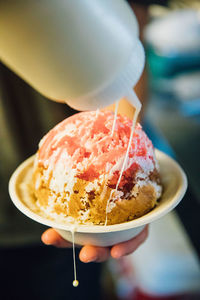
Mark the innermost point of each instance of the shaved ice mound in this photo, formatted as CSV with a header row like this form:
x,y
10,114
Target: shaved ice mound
x,y
78,165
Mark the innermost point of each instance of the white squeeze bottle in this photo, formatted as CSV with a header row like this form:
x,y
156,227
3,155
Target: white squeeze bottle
x,y
85,52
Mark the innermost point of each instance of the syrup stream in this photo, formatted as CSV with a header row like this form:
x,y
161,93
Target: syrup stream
x,y
137,104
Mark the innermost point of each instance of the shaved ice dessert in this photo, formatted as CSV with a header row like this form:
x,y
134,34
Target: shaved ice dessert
x,y
78,165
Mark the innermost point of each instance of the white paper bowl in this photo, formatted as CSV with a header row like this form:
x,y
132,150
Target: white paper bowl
x,y
174,186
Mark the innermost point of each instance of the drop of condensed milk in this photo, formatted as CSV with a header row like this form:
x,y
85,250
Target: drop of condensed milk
x,y
75,283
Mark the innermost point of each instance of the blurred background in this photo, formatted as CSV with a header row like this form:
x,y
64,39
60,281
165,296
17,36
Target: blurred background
x,y
167,265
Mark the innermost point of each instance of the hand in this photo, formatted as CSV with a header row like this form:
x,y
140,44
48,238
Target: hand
x,y
93,253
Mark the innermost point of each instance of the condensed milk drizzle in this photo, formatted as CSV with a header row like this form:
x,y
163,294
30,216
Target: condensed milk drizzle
x,y
137,104
75,281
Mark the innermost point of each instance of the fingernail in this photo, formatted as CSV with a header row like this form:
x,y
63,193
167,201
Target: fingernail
x,y
45,242
48,244
116,255
91,259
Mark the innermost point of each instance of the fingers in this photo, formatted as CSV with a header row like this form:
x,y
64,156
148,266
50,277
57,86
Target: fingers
x,y
130,246
94,254
51,237
87,253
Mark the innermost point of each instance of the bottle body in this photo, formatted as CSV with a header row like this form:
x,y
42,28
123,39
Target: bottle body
x,y
67,49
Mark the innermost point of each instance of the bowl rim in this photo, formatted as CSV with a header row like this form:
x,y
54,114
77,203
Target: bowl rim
x,y
141,221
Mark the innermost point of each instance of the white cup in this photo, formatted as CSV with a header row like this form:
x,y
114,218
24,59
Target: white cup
x,y
174,183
